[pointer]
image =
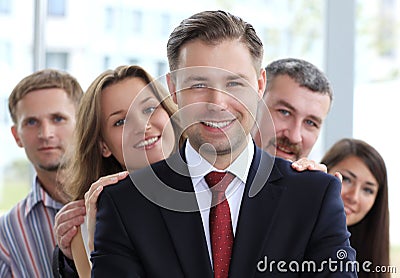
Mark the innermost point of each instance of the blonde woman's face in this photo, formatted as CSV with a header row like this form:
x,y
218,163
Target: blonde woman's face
x,y
149,135
359,188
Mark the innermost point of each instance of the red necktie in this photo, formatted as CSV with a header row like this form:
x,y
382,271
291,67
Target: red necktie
x,y
220,223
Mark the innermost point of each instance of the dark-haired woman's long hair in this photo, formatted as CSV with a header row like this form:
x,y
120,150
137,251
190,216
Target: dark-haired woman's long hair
x,y
370,236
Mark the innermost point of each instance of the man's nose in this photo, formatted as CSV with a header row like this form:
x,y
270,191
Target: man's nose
x,y
294,132
217,100
46,130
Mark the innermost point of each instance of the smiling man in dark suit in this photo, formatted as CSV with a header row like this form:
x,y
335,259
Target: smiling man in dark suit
x,y
165,221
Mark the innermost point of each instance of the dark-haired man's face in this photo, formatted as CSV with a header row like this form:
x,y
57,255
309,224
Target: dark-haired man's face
x,y
217,92
297,114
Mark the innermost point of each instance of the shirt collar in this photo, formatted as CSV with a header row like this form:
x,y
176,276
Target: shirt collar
x,y
38,195
199,167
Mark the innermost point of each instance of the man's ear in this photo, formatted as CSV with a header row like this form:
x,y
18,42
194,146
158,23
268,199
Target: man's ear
x,y
262,83
171,86
105,150
14,132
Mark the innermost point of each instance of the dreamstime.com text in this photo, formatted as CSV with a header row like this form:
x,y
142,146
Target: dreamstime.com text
x,y
331,265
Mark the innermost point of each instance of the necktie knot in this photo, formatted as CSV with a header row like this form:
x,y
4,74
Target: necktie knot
x,y
219,181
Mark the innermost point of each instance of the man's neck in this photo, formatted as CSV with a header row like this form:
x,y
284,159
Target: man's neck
x,y
223,161
49,181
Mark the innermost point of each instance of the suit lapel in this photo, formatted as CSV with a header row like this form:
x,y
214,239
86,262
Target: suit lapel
x,y
186,228
257,211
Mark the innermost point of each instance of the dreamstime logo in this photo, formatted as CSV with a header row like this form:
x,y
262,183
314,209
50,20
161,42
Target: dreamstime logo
x,y
341,254
340,264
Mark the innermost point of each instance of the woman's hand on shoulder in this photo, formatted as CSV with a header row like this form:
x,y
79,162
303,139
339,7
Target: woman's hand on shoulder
x,y
91,197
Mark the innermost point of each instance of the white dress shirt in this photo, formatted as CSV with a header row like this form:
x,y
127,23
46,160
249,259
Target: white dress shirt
x,y
199,167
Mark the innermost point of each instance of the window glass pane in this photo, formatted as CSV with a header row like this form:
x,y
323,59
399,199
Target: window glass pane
x,y
106,63
137,21
57,60
133,61
56,7
162,68
165,24
109,18
5,6
5,53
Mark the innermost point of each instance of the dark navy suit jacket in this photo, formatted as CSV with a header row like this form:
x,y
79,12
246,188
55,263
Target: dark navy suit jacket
x,y
296,221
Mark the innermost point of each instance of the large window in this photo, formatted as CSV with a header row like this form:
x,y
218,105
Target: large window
x,y
376,94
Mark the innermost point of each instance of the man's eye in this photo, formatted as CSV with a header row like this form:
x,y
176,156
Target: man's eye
x,y
31,122
311,123
234,84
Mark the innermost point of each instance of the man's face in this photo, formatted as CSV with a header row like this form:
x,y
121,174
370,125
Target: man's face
x,y
217,91
297,114
46,120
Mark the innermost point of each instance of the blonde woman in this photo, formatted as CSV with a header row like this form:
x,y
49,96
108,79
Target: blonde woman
x,y
97,150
